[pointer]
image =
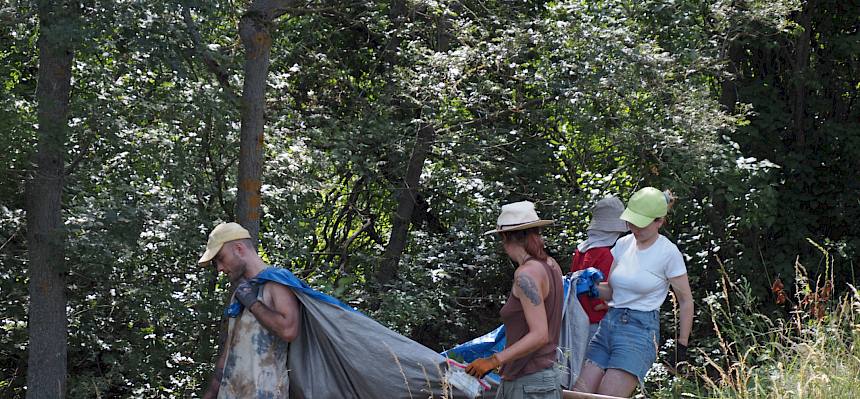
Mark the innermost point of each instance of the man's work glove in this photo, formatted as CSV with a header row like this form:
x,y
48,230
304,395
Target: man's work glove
x,y
587,282
480,367
246,292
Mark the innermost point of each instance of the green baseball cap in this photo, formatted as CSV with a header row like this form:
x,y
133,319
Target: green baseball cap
x,y
644,206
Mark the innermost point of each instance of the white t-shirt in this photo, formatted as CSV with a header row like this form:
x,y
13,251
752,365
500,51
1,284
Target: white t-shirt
x,y
640,279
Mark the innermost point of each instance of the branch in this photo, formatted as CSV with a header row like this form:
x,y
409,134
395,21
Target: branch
x,y
497,115
212,65
271,9
218,178
325,11
19,229
345,246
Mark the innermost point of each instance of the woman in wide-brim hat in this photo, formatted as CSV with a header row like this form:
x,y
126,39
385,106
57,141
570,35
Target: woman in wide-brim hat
x,y
532,314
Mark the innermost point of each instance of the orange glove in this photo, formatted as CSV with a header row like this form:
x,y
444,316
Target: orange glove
x,y
480,367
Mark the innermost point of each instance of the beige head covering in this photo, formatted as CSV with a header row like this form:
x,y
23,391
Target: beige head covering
x,y
518,216
222,233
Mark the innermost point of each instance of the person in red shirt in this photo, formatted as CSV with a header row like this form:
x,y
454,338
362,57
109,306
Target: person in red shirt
x,y
603,230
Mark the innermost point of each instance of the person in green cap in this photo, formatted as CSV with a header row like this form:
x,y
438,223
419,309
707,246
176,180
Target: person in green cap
x,y
645,264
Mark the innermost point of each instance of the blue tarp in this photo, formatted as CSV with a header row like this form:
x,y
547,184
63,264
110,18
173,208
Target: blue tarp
x,y
286,277
489,343
571,344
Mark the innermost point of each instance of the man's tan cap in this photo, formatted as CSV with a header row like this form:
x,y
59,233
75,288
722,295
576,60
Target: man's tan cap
x,y
224,232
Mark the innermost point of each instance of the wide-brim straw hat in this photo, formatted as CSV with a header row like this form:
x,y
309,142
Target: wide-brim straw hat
x,y
518,216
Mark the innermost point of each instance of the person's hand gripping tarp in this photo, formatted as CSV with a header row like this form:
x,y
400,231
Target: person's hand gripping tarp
x,y
246,292
480,367
588,281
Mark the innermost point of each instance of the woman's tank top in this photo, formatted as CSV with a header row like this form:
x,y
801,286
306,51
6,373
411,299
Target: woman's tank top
x,y
516,327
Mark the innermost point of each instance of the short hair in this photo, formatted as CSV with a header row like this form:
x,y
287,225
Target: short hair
x,y
249,244
246,242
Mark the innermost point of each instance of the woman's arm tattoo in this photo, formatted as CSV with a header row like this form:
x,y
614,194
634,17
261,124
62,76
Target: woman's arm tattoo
x,y
529,288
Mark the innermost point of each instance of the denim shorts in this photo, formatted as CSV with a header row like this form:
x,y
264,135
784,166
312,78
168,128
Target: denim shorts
x,y
626,340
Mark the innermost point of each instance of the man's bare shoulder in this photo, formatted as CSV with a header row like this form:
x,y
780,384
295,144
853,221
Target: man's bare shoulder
x,y
277,289
275,294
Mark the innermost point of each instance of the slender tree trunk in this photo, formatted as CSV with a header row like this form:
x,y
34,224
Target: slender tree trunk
x,y
255,30
48,325
397,14
406,198
728,86
801,61
407,194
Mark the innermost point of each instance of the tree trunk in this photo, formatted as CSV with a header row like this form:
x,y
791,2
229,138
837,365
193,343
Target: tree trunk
x,y
406,198
407,195
255,30
728,86
256,37
801,61
48,325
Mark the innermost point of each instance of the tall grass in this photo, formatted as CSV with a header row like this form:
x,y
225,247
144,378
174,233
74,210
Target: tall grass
x,y
809,358
814,353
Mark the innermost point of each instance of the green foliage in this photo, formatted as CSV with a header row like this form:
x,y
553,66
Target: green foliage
x,y
18,74
800,120
558,102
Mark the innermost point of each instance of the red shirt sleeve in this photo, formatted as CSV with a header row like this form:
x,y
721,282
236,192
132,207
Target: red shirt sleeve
x,y
600,258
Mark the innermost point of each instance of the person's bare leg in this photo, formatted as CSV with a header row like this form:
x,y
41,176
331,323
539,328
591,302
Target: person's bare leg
x,y
617,382
589,378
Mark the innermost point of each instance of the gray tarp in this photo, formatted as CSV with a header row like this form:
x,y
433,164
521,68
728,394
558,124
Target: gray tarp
x,y
573,340
345,354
